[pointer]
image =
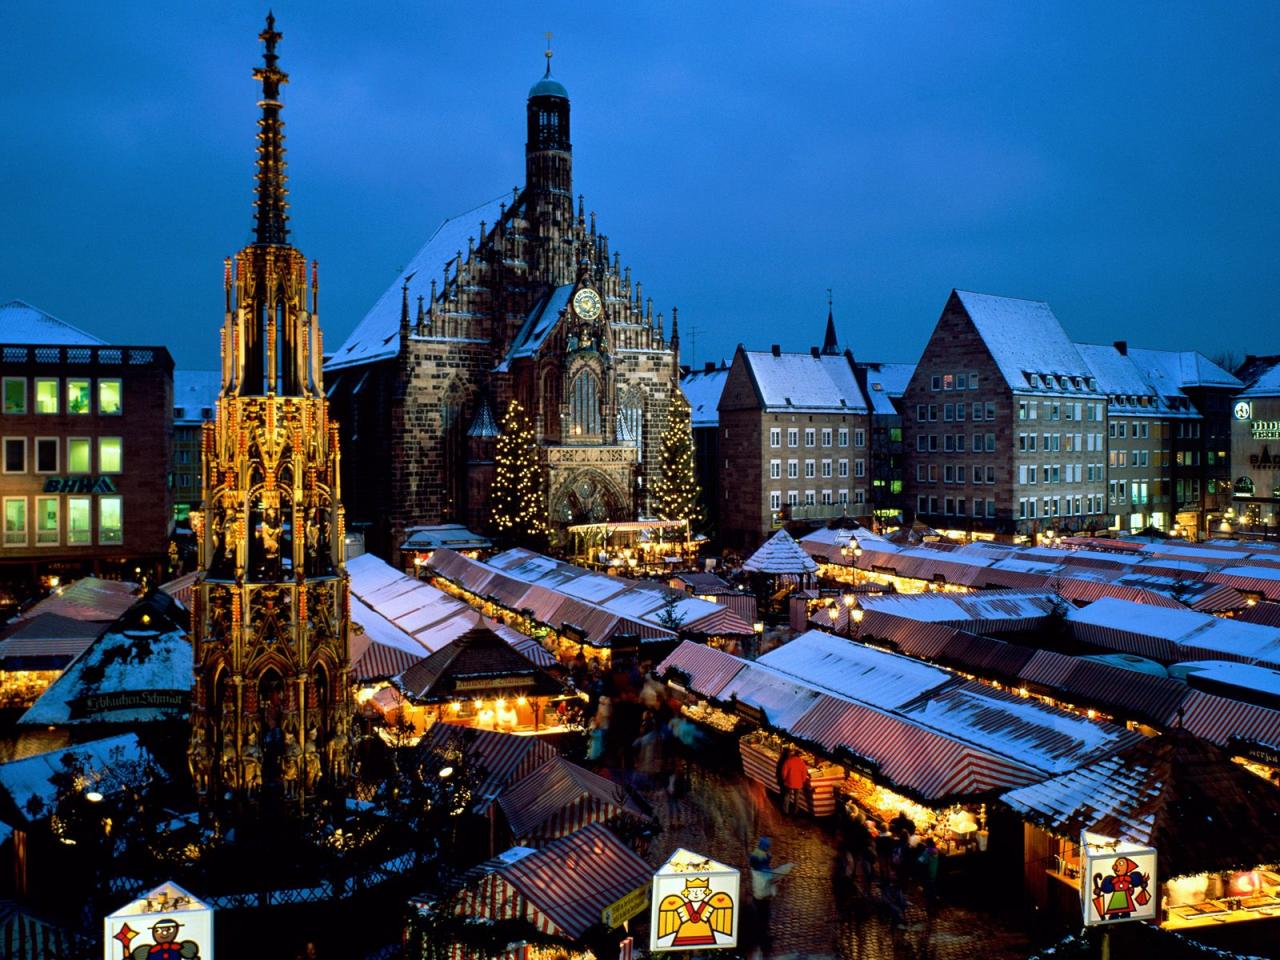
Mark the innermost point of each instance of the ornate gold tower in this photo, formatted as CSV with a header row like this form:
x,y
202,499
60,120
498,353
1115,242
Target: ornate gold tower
x,y
272,694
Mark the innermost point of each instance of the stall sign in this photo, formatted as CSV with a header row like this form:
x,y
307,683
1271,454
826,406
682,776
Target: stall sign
x,y
695,904
488,683
1118,880
625,907
166,922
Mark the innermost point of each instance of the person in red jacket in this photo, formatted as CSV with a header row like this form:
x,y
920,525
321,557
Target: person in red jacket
x,y
795,774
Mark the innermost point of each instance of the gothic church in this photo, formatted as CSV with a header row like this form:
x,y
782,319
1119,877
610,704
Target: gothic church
x,y
519,298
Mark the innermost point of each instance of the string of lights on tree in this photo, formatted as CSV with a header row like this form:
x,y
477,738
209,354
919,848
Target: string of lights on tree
x,y
518,507
676,490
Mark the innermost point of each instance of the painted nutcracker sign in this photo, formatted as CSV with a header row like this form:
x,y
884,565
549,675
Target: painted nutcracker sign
x,y
695,904
1117,881
167,923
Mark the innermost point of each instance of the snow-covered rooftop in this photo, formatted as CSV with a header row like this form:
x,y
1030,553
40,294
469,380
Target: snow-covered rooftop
x,y
30,782
195,391
1182,369
541,320
805,383
702,388
1023,337
377,336
1264,378
945,608
887,382
20,322
780,555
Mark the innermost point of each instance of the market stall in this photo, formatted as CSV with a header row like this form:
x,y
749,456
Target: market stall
x,y
761,753
1214,824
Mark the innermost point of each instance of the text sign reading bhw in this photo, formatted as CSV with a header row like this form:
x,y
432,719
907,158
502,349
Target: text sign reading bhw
x,y
79,484
695,904
166,923
1117,880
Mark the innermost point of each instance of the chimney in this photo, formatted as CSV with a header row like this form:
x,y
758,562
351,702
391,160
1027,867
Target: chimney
x,y
1122,347
710,367
815,353
776,350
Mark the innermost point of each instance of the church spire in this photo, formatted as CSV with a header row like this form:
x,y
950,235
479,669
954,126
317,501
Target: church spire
x,y
270,190
830,346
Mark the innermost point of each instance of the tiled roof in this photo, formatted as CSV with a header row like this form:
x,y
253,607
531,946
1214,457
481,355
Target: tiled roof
x,y
803,382
195,391
479,654
1024,337
20,322
702,389
377,336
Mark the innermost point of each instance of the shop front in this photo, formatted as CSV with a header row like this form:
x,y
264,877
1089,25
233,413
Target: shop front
x,y
1255,458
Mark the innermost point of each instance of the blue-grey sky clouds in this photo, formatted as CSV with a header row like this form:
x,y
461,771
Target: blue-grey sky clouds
x,y
1117,160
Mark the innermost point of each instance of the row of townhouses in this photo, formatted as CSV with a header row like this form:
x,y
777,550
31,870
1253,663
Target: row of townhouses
x,y
1005,428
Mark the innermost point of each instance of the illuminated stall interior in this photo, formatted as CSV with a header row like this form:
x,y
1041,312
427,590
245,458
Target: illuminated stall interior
x,y
1211,820
633,546
478,680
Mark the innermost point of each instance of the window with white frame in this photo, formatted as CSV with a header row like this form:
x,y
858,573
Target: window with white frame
x,y
47,522
15,521
842,437
793,437
15,454
809,436
793,469
859,438
810,498
842,468
859,468
775,469
826,468
15,395
110,519
79,520
809,467
47,454
775,436
826,436
775,499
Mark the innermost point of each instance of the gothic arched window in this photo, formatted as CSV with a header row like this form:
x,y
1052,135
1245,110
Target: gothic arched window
x,y
584,406
631,420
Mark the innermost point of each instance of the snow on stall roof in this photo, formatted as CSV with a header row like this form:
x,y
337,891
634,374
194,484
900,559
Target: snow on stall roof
x,y
594,587
1023,337
783,699
983,605
803,382
1032,733
31,779
1168,623
846,668
21,323
1246,675
702,390
780,555
687,610
377,336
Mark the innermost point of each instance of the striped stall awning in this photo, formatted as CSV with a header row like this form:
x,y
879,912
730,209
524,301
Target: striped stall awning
x,y
709,670
721,622
1086,591
932,766
559,798
1048,669
915,638
1128,641
1221,720
503,758
24,937
562,888
743,604
381,661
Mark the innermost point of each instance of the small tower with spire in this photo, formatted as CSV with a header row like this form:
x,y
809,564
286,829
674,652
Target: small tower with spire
x,y
830,345
549,179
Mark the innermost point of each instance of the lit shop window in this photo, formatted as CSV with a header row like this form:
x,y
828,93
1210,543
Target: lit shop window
x,y
110,397
79,453
110,520
78,400
15,395
79,520
46,395
46,521
110,454
15,521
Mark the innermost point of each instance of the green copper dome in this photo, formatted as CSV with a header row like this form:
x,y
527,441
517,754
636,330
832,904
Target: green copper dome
x,y
548,86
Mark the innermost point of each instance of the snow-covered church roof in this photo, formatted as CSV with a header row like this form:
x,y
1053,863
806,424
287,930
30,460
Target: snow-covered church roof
x,y
20,322
377,336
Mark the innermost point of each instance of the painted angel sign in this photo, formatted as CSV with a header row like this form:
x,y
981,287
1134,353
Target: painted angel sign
x,y
695,904
167,923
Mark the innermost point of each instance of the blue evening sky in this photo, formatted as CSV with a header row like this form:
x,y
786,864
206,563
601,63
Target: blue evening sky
x,y
1118,160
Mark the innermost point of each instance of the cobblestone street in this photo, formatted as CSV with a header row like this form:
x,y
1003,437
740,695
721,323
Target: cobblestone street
x,y
724,814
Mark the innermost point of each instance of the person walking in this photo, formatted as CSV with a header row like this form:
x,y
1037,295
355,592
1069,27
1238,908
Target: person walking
x,y
928,861
795,774
762,891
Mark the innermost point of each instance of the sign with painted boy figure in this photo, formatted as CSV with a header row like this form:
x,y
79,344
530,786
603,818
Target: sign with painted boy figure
x,y
695,904
1117,880
167,923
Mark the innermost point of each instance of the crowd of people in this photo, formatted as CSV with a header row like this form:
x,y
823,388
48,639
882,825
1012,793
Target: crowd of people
x,y
875,859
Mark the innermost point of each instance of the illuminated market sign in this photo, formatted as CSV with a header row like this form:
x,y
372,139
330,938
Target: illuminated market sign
x,y
1118,880
79,484
1265,429
489,683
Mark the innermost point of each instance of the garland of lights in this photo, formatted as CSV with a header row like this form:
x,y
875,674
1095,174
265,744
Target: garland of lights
x,y
676,490
518,508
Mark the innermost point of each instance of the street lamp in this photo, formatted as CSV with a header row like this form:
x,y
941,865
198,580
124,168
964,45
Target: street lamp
x,y
855,622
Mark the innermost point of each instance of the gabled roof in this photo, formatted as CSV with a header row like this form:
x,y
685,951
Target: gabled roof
x,y
377,336
1262,374
20,322
702,388
1151,791
478,655
559,797
805,383
195,391
539,323
1172,372
887,382
780,554
1023,337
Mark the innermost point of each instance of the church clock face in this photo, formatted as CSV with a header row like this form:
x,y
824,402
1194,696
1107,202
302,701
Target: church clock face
x,y
586,303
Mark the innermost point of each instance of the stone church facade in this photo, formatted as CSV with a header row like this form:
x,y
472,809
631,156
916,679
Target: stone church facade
x,y
520,298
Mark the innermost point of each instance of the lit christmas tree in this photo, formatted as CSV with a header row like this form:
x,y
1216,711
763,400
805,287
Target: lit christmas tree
x,y
676,491
519,512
